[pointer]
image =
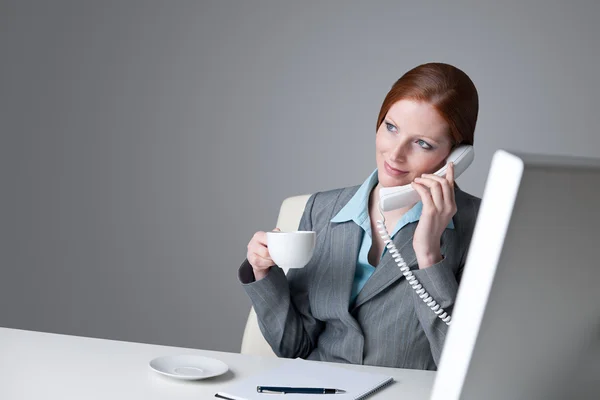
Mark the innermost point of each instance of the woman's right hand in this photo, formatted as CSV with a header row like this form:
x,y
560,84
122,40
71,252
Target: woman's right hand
x,y
258,255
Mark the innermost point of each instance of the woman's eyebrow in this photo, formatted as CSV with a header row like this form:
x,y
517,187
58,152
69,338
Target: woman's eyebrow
x,y
421,136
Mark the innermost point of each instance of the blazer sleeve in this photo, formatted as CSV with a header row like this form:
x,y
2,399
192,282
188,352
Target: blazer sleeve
x,y
282,303
442,285
441,281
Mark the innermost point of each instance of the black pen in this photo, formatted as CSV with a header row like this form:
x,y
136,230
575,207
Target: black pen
x,y
302,390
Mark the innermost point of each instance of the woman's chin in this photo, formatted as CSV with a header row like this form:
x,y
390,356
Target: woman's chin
x,y
394,182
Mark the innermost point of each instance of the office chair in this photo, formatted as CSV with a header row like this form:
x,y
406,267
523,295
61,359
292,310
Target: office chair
x,y
290,213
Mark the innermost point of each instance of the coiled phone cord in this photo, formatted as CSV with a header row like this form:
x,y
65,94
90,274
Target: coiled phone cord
x,y
410,278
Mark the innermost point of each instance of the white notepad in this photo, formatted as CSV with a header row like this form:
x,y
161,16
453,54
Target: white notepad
x,y
302,373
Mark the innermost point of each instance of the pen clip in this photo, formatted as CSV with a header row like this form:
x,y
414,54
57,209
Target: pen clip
x,y
260,389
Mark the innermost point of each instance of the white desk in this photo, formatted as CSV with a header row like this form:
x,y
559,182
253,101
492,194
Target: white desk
x,y
36,365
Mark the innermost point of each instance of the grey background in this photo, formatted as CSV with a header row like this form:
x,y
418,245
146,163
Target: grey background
x,y
144,142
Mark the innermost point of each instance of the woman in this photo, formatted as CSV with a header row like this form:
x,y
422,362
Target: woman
x,y
351,303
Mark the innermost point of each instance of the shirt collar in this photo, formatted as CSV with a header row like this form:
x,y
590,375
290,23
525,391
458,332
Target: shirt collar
x,y
357,209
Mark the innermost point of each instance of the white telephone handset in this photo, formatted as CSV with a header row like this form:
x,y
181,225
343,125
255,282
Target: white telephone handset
x,y
391,198
401,196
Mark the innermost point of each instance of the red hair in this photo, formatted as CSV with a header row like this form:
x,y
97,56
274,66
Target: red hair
x,y
448,89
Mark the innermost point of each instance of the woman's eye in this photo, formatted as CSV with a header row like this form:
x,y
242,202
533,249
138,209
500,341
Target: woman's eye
x,y
424,144
390,127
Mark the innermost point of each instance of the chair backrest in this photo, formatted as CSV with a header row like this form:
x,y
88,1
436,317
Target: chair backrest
x,y
290,213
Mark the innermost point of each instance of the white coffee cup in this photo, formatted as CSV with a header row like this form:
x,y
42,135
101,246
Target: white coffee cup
x,y
291,249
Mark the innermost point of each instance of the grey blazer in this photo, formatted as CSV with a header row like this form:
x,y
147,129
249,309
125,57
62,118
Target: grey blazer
x,y
307,314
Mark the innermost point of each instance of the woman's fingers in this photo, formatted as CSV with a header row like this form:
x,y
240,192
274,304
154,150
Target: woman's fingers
x,y
259,262
450,179
259,237
424,194
259,250
435,189
258,253
447,190
450,174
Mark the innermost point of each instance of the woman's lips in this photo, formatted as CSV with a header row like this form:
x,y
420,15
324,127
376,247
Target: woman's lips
x,y
393,171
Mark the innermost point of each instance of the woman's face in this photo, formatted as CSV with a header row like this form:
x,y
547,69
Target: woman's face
x,y
412,140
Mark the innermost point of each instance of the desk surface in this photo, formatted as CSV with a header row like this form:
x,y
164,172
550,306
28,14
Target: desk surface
x,y
36,365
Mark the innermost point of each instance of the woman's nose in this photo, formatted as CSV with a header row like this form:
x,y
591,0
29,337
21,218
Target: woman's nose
x,y
400,151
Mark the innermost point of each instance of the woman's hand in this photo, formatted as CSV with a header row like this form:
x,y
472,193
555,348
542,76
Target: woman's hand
x,y
439,206
258,255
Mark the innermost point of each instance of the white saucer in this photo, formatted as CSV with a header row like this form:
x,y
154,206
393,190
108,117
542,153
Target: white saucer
x,y
188,367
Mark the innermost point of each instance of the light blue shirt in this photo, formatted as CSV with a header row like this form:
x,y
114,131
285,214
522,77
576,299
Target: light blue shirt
x,y
357,210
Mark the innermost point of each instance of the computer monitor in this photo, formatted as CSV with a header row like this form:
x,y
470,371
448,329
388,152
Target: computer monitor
x,y
526,322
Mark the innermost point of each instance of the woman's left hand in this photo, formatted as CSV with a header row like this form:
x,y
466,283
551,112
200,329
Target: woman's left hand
x,y
439,206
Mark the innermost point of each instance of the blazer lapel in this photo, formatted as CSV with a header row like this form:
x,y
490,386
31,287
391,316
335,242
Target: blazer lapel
x,y
345,244
387,272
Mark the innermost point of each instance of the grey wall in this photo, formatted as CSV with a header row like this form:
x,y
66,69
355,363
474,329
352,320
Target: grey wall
x,y
144,142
